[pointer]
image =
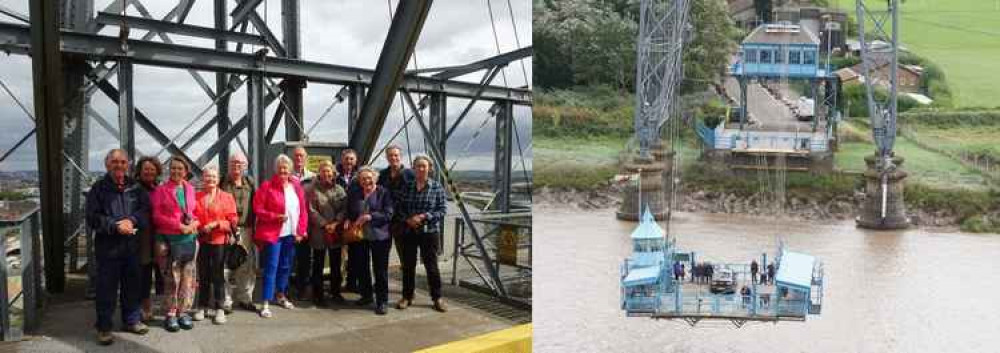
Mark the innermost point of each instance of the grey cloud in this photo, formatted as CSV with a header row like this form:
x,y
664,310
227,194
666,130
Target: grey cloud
x,y
342,32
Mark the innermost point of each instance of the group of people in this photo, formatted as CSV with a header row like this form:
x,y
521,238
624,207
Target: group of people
x,y
702,272
766,277
182,241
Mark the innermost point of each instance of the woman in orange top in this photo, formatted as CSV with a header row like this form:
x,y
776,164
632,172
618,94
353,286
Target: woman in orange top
x,y
216,211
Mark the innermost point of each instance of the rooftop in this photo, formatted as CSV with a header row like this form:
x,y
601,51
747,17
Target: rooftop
x,y
774,33
795,269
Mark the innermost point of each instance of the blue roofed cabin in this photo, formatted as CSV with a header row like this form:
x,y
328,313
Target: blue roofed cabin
x,y
799,283
774,50
648,236
644,275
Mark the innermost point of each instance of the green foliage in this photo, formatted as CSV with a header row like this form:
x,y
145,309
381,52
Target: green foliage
x,y
802,185
951,118
582,111
712,113
980,224
712,42
592,42
837,63
12,196
582,42
969,206
580,177
854,102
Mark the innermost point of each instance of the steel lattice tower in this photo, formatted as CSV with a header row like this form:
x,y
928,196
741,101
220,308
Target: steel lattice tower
x,y
883,207
659,64
659,61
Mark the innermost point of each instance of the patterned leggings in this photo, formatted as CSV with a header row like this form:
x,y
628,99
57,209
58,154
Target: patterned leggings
x,y
179,280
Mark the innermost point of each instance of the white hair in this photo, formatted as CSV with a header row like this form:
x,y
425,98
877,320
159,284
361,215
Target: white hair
x,y
368,169
282,158
238,156
211,168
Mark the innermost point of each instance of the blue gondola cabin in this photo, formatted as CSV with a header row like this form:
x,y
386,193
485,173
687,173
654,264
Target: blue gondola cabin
x,y
775,50
797,278
644,274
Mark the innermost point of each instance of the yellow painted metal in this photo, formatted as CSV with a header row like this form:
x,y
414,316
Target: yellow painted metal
x,y
516,339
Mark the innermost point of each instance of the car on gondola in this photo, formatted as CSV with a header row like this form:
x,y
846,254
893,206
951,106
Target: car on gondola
x,y
723,281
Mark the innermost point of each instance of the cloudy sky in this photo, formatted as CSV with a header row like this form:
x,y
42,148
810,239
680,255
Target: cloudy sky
x,y
339,32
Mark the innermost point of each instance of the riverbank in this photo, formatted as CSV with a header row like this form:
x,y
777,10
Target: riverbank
x,y
607,197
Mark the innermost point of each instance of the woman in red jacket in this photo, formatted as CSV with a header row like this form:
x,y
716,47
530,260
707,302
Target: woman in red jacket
x,y
176,228
280,207
216,212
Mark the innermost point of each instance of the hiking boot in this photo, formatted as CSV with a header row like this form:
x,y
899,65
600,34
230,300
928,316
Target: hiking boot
x,y
403,303
138,328
105,338
380,309
440,306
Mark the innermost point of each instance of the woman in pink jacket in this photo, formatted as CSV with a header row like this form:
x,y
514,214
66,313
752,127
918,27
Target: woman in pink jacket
x,y
176,229
280,207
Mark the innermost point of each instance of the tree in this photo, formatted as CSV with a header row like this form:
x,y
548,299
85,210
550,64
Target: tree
x,y
582,42
592,42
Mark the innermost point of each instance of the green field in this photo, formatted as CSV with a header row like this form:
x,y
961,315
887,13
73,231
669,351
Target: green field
x,y
582,163
923,166
961,36
980,140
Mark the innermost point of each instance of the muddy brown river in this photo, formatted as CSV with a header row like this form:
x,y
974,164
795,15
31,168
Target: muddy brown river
x,y
896,291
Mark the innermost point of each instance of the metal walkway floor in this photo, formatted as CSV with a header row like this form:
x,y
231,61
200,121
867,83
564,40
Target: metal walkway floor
x,y
67,326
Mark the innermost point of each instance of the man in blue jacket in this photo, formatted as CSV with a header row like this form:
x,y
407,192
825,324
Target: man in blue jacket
x,y
117,207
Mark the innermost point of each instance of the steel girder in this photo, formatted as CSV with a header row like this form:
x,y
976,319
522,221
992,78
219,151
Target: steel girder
x,y
404,32
16,39
47,70
110,19
441,169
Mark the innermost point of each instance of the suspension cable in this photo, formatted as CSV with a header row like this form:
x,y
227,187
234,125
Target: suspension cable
x,y
517,41
496,41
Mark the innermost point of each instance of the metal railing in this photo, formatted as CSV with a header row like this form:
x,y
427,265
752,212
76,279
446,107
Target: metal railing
x,y
20,275
507,239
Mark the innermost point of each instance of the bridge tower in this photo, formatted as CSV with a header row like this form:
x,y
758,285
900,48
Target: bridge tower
x,y
660,44
883,207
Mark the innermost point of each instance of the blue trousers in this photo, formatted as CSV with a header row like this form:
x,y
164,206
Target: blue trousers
x,y
276,265
117,281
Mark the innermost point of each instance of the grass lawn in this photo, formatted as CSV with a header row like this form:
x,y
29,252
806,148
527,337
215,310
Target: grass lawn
x,y
582,162
982,140
923,166
961,36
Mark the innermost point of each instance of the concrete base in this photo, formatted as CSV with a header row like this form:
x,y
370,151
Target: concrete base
x,y
871,208
655,187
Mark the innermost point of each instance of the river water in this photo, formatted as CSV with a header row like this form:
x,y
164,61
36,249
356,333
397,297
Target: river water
x,y
894,291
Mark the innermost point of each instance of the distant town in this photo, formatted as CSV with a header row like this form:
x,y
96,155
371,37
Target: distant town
x,y
18,194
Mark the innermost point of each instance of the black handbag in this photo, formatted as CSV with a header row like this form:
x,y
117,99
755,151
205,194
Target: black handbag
x,y
236,253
